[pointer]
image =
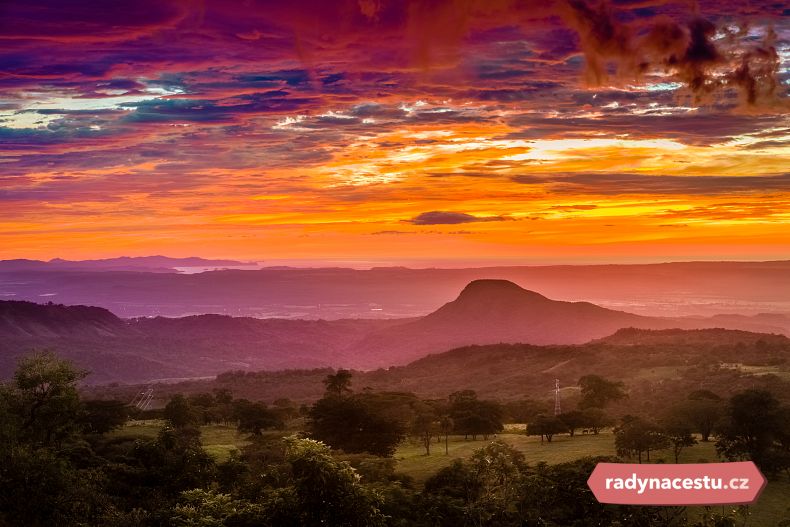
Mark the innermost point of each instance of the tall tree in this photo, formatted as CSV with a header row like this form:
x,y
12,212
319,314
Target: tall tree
x,y
472,416
338,384
546,426
754,429
180,413
43,397
595,419
635,436
252,418
355,424
327,491
100,417
703,410
572,420
678,432
597,392
424,424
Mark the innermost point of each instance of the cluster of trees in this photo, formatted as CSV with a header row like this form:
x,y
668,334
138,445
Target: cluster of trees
x,y
751,425
59,466
596,393
220,407
376,423
495,487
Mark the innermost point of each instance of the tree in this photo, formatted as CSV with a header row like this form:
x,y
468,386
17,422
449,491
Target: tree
x,y
635,435
446,425
179,413
481,490
546,426
754,429
252,418
338,384
572,420
208,508
100,417
41,447
558,495
472,416
43,399
524,410
595,419
702,410
327,491
354,424
597,392
678,432
204,404
424,424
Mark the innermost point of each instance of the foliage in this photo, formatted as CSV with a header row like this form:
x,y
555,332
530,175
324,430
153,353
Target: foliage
x,y
546,426
597,392
756,428
252,418
573,420
353,424
702,410
100,417
180,413
338,384
636,435
473,416
328,492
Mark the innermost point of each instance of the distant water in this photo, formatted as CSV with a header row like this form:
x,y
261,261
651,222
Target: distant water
x,y
203,269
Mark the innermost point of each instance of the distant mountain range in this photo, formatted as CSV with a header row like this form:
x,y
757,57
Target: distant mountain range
x,y
150,286
123,263
486,312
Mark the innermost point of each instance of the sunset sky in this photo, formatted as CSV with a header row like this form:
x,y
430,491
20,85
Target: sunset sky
x,y
393,132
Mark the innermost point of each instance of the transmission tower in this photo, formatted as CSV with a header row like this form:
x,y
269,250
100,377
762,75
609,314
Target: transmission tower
x,y
557,409
142,400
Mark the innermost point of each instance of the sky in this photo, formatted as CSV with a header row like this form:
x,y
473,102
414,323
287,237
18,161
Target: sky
x,y
396,132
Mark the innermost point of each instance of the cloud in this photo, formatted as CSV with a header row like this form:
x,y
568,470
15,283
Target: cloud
x,y
705,56
614,184
439,217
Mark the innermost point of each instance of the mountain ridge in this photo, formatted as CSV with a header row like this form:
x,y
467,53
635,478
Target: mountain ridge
x,y
485,312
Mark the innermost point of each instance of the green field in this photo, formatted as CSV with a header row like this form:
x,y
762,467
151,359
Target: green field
x,y
218,440
773,505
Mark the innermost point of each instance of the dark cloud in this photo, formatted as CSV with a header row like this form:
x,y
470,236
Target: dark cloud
x,y
613,184
690,49
701,128
439,217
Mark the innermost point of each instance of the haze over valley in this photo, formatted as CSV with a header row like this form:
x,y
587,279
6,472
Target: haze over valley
x,y
486,311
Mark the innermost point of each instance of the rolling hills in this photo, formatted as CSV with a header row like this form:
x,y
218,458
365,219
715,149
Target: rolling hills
x,y
487,311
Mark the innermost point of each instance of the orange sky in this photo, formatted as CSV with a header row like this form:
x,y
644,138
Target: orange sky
x,y
387,133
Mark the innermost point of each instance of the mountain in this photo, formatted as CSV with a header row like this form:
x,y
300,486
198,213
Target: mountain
x,y
672,289
494,311
123,263
149,348
145,349
29,320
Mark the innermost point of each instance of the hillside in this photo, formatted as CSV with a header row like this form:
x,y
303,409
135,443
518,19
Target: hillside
x,y
150,349
138,350
657,367
494,311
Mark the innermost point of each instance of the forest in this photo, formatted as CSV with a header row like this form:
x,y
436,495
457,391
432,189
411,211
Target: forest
x,y
69,460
